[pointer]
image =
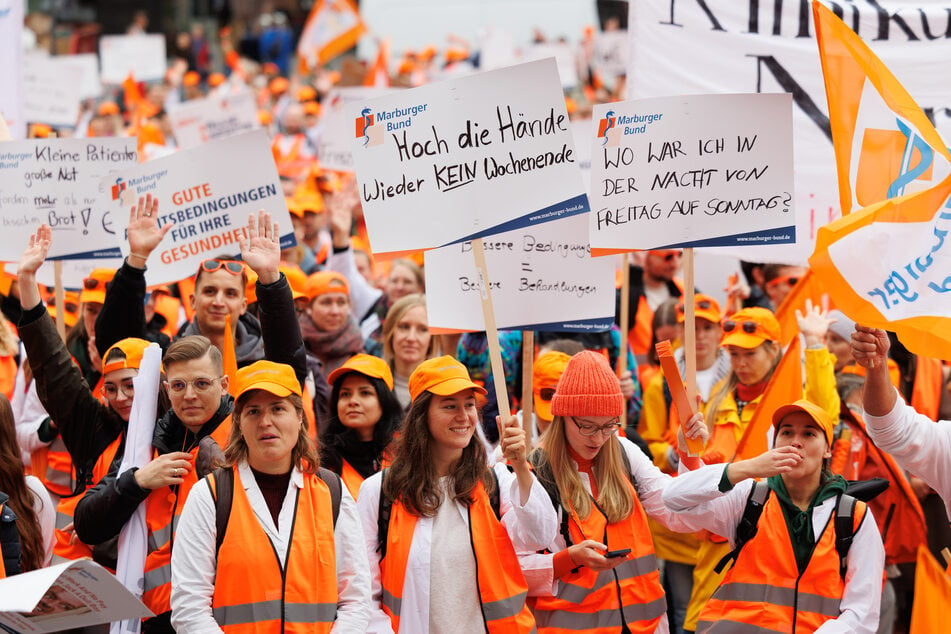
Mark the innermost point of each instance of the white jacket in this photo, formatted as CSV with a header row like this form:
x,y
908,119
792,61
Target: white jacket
x,y
917,443
194,557
530,527
697,498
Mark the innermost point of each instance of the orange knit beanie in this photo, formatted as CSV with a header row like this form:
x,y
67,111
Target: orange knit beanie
x,y
588,387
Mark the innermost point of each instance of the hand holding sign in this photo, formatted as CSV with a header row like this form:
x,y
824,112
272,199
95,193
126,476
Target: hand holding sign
x,y
144,234
262,249
514,445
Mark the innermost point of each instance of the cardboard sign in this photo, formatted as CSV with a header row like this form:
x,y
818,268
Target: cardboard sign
x,y
335,129
198,121
141,55
542,278
704,170
52,90
60,182
465,158
208,192
72,595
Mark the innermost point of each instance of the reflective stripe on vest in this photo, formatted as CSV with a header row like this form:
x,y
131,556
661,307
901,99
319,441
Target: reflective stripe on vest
x,y
764,588
588,599
501,585
248,567
54,467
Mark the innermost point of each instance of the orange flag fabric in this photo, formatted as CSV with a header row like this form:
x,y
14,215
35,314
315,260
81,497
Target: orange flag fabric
x,y
784,387
884,144
379,74
932,595
332,27
230,358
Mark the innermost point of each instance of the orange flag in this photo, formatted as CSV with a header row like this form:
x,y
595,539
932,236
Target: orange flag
x,y
332,27
884,144
784,387
230,358
808,287
379,73
932,595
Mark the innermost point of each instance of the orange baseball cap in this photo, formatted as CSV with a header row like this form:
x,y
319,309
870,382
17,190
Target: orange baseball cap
x,y
323,282
309,201
296,279
191,78
810,409
546,371
41,131
278,86
133,349
276,378
216,79
311,108
293,207
265,117
750,327
250,289
456,54
71,299
704,307
443,376
306,93
270,68
366,364
107,108
94,286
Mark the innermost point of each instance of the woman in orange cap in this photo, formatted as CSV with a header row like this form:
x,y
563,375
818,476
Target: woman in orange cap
x,y
789,572
81,340
329,331
364,416
440,558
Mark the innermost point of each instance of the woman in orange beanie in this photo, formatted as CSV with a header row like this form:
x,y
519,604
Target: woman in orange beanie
x,y
328,328
600,572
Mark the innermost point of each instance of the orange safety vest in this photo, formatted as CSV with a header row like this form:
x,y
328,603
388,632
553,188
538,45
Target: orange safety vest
x,y
253,593
639,335
926,393
764,586
63,550
502,587
598,601
291,164
351,478
54,467
163,508
8,375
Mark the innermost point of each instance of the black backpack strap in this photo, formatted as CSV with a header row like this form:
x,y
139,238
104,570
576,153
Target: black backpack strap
x,y
627,463
221,485
495,499
384,511
746,529
844,529
546,478
332,480
9,539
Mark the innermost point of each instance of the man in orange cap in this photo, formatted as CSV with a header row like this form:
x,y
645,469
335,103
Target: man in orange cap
x,y
215,80
191,86
293,151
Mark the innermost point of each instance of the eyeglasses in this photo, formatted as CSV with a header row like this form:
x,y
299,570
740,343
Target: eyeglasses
x,y
668,256
233,267
546,393
590,429
749,327
91,284
791,280
703,304
201,384
111,390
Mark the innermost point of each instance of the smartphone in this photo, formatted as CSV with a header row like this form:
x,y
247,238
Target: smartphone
x,y
611,554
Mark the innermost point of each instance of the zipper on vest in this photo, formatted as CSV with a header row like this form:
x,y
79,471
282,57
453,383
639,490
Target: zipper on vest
x,y
795,613
287,558
485,621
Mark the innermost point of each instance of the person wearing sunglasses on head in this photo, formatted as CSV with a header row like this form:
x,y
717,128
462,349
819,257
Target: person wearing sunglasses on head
x,y
81,339
600,572
779,280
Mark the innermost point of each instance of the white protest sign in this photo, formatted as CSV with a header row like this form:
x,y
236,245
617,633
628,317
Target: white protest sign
x,y
609,55
52,90
11,76
542,278
703,170
198,121
207,192
582,130
565,58
91,87
335,129
71,595
60,182
141,55
465,158
75,271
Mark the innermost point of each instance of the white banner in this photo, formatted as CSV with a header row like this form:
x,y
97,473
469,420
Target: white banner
x,y
91,87
335,129
11,77
51,90
542,278
61,182
721,46
208,192
465,158
141,55
198,121
704,170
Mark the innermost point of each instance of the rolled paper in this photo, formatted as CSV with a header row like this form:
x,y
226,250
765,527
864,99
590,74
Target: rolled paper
x,y
678,392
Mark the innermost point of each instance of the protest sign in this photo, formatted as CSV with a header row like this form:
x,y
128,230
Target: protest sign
x,y
141,55
609,55
75,594
11,76
207,192
565,59
198,121
90,87
465,158
335,128
60,182
704,170
51,90
74,271
582,130
541,277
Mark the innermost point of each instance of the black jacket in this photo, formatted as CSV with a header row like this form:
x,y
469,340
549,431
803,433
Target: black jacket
x,y
636,286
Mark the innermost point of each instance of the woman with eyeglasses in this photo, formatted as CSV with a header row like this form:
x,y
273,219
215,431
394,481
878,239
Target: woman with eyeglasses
x,y
752,338
600,573
328,328
364,417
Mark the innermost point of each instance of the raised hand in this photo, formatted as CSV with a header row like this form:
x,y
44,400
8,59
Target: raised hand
x,y
814,324
35,254
261,250
870,346
144,233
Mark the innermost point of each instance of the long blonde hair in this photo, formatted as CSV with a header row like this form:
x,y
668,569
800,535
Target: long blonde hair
x,y
614,485
732,381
